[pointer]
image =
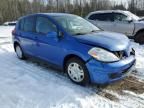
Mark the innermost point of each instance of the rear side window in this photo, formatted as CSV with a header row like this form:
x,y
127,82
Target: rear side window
x,y
102,17
43,25
21,25
29,24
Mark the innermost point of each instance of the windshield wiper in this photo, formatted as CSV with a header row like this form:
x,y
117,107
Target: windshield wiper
x,y
80,34
95,30
87,32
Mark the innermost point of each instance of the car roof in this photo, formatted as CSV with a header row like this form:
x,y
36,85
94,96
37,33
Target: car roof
x,y
49,14
108,11
54,14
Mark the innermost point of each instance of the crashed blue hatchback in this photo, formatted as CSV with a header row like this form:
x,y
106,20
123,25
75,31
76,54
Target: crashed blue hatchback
x,y
82,50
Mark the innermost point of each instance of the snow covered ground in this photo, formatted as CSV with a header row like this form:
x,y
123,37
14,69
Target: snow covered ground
x,y
32,84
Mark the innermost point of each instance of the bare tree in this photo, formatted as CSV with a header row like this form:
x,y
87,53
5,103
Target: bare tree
x,y
13,9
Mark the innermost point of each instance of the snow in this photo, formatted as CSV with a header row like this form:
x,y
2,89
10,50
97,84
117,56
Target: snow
x,y
140,59
32,84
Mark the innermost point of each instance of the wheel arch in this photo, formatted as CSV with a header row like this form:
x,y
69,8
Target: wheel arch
x,y
141,30
69,57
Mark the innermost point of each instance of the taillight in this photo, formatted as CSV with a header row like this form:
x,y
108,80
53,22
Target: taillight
x,y
14,31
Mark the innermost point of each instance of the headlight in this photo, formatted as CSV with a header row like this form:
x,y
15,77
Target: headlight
x,y
103,55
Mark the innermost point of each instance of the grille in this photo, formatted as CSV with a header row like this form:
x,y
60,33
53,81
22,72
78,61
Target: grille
x,y
120,54
124,54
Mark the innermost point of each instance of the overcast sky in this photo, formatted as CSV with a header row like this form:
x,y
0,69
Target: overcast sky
x,y
119,1
125,2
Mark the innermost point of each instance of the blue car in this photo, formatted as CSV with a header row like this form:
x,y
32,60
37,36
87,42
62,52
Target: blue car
x,y
86,53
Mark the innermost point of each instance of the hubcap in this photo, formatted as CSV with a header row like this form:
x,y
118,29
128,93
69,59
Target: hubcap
x,y
19,52
75,72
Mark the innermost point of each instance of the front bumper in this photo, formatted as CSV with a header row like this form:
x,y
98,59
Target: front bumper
x,y
104,73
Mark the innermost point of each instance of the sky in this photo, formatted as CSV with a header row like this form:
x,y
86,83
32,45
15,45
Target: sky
x,y
119,1
125,2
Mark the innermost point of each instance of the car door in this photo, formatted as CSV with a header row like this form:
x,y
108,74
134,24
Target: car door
x,y
48,45
27,35
102,20
122,25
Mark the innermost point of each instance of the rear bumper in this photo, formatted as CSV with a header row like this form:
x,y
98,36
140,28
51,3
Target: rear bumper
x,y
104,73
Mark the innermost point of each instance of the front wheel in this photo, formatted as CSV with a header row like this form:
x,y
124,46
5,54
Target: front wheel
x,y
77,71
139,38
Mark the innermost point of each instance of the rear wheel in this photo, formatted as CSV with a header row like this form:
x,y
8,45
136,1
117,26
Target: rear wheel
x,y
19,52
139,38
77,71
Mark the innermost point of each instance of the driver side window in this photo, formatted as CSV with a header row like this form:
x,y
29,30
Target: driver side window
x,y
120,17
43,25
107,17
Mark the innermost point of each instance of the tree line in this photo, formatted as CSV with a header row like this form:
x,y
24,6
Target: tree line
x,y
11,10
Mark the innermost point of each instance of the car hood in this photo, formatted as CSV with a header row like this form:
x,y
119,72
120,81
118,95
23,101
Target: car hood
x,y
108,40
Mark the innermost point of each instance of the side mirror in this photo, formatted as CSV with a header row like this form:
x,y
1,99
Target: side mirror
x,y
129,20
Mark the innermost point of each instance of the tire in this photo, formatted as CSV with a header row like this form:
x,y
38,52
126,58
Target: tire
x,y
139,38
19,52
77,71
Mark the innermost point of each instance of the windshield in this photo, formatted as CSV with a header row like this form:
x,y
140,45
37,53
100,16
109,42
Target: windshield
x,y
133,16
75,24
